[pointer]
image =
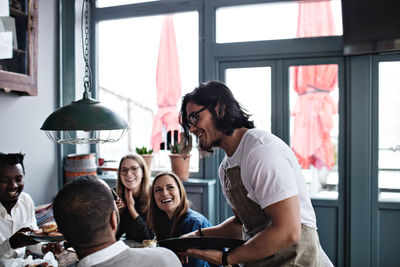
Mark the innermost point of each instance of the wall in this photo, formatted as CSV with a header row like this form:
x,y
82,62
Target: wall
x,y
22,116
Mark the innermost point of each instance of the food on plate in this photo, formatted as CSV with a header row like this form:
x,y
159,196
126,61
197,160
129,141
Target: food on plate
x,y
49,227
55,234
48,232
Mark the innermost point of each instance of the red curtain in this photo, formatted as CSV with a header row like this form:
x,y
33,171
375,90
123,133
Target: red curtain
x,y
168,82
314,107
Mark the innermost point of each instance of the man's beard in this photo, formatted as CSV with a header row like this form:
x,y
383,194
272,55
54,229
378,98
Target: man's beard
x,y
206,151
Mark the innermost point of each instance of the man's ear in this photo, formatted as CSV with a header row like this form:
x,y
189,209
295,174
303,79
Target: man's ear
x,y
114,220
220,113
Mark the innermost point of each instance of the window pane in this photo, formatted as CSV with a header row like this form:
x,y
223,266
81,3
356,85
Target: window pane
x,y
314,126
252,88
389,131
274,21
108,3
128,58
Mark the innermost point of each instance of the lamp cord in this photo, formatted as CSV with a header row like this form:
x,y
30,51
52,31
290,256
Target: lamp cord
x,y
85,46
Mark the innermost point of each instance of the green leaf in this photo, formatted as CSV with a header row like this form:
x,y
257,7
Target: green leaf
x,y
144,150
175,149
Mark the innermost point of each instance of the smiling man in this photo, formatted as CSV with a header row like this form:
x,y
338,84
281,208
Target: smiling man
x,y
17,214
261,181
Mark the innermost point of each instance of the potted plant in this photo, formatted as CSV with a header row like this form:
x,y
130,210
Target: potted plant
x,y
147,155
180,158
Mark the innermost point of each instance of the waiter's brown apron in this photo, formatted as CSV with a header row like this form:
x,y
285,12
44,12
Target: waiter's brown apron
x,y
306,252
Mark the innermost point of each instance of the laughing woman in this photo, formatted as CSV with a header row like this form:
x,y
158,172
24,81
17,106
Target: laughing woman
x,y
133,188
169,214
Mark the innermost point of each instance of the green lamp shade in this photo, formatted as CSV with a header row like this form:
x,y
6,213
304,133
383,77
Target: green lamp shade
x,y
86,114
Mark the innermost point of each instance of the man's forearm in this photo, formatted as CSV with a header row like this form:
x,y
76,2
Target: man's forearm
x,y
230,228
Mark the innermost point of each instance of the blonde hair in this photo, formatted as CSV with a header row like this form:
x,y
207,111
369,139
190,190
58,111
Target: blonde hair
x,y
144,194
156,217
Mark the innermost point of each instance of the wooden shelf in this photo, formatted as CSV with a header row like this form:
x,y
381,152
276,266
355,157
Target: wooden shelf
x,y
19,74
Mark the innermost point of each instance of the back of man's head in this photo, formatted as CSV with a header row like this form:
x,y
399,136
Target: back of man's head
x,y
82,210
12,159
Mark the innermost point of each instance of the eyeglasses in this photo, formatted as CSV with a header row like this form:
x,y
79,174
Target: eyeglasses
x,y
133,169
193,117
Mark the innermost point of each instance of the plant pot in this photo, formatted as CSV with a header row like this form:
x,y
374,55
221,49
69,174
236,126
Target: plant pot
x,y
180,166
148,158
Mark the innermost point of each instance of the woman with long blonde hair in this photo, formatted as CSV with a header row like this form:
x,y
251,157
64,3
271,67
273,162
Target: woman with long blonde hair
x,y
133,186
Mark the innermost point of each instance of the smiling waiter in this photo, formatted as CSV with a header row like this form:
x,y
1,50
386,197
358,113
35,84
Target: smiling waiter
x,y
261,181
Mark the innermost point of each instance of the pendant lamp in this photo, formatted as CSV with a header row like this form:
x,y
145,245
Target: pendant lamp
x,y
85,121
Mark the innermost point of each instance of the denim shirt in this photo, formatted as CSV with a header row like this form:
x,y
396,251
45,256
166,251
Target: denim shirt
x,y
191,223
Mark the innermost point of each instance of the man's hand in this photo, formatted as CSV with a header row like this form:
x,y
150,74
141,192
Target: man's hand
x,y
21,239
56,248
210,255
183,256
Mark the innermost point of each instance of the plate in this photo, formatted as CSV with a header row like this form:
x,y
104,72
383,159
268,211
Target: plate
x,y
46,238
182,244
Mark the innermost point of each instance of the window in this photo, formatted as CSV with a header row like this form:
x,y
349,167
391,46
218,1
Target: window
x,y
389,131
108,3
314,124
252,87
128,59
273,21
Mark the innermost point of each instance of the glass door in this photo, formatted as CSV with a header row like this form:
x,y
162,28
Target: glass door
x,y
389,134
251,84
315,117
301,102
314,125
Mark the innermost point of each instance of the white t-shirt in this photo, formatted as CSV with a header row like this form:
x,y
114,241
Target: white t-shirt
x,y
270,172
22,215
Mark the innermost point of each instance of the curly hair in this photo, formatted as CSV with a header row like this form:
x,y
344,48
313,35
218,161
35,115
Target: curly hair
x,y
230,115
12,159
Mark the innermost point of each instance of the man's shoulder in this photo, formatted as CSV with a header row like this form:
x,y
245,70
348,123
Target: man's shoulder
x,y
143,257
25,199
259,140
153,256
258,135
25,195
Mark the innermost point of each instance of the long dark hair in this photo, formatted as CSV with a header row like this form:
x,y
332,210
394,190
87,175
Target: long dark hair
x,y
157,218
144,194
230,115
